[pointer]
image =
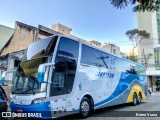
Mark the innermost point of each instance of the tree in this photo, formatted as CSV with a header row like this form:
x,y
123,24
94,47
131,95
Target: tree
x,y
132,58
136,36
140,5
145,58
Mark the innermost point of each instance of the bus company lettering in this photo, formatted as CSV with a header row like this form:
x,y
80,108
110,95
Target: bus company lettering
x,y
106,74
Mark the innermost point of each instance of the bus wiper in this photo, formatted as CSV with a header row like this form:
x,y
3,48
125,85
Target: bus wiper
x,y
29,90
16,90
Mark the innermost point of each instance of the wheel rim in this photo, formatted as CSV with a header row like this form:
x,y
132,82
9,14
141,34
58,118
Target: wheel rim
x,y
139,99
85,108
135,101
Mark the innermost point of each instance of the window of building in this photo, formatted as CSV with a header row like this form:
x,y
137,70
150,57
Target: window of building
x,y
158,26
157,58
114,51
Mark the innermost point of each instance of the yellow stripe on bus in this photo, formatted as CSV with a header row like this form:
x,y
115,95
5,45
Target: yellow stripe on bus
x,y
135,89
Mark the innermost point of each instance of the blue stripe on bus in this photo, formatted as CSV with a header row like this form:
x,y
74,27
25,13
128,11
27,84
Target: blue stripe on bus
x,y
125,80
33,108
40,76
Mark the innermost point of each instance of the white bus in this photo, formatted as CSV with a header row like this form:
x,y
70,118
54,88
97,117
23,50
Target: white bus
x,y
59,76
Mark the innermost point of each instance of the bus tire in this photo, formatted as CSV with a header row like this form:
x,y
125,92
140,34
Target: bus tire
x,y
134,99
85,107
139,98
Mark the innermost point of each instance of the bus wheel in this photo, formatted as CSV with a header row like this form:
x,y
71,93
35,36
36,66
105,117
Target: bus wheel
x,y
134,99
139,98
85,107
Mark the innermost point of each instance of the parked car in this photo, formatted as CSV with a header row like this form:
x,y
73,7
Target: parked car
x,y
3,100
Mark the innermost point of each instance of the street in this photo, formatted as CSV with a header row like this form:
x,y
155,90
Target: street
x,y
150,105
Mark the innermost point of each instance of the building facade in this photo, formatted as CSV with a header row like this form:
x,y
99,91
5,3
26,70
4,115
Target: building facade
x,y
149,49
5,34
107,47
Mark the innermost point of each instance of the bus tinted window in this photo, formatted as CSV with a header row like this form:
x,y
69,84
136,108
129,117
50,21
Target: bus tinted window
x,y
68,48
89,55
106,60
65,67
127,66
140,70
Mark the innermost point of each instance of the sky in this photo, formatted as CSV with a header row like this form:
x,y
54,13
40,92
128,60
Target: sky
x,y
89,19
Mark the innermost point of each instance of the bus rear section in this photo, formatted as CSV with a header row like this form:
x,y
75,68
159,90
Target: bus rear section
x,y
111,80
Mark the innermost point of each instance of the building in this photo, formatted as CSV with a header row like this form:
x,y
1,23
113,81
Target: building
x,y
61,28
149,49
111,48
107,47
5,34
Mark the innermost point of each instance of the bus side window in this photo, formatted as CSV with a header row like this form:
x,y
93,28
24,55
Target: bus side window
x,y
89,56
131,68
133,71
59,80
118,64
103,59
140,70
126,66
65,67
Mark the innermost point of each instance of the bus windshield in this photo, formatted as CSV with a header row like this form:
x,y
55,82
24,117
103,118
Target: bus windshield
x,y
26,78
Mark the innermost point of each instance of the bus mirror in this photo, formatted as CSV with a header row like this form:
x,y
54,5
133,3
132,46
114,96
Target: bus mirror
x,y
43,72
3,80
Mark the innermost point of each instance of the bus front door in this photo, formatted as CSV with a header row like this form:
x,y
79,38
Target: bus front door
x,y
58,90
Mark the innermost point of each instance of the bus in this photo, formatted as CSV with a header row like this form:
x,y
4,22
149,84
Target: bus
x,y
59,75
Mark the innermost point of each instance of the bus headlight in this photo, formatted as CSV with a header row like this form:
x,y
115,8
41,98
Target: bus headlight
x,y
39,100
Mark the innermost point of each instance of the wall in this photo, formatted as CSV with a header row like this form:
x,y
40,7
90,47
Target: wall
x,y
5,35
61,28
110,48
22,37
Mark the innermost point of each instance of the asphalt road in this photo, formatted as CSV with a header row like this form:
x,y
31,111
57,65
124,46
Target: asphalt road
x,y
151,106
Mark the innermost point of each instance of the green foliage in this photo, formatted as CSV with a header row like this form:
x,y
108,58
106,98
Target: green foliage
x,y
133,58
157,83
140,5
135,36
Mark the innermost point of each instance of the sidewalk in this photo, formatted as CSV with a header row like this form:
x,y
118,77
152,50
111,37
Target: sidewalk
x,y
155,97
155,93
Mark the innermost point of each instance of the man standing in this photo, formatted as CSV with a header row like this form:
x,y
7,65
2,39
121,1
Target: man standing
x,y
150,90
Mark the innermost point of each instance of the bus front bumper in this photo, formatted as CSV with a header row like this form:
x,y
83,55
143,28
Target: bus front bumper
x,y
40,110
